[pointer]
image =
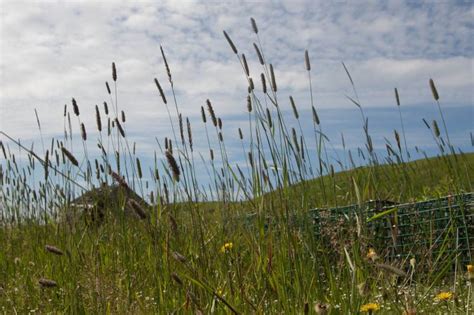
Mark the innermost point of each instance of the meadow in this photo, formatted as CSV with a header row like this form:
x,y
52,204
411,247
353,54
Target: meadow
x,y
184,247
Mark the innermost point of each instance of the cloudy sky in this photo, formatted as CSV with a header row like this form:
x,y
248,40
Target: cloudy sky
x,y
52,51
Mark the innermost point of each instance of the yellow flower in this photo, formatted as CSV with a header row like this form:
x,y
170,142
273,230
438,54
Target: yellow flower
x,y
470,268
372,255
226,247
369,308
444,296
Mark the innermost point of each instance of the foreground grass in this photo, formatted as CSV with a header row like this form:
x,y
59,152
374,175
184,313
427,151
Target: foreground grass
x,y
168,264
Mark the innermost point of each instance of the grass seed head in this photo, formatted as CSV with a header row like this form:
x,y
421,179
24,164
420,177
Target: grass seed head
x,y
306,60
70,156
246,66
254,25
75,107
163,97
434,91
83,132
114,72
46,283
173,165
54,250
211,112
97,118
231,44
259,54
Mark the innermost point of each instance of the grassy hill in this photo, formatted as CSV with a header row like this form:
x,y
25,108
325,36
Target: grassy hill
x,y
398,182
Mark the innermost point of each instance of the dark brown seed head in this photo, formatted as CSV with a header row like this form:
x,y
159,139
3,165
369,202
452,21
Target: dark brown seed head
x,y
83,132
211,112
306,60
433,90
176,278
436,129
168,71
97,118
211,153
272,75
54,250
114,72
251,86
139,168
246,66
203,115
46,283
178,257
163,97
190,134
315,116
119,126
264,83
249,104
108,87
397,98
173,165
293,105
259,55
75,107
65,110
106,108
254,25
269,118
241,136
397,138
70,157
181,128
46,164
230,43
123,116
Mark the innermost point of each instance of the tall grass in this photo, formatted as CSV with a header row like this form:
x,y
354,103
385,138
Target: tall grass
x,y
189,247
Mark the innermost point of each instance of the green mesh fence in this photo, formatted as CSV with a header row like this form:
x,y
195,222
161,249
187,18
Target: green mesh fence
x,y
430,230
438,228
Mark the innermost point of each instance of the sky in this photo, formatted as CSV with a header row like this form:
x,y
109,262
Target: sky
x,y
52,51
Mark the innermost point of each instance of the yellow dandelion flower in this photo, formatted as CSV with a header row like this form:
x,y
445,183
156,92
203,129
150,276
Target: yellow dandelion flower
x,y
372,254
370,308
444,296
226,247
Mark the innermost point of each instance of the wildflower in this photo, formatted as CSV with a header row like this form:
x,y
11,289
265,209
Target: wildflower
x,y
369,308
372,255
226,247
444,296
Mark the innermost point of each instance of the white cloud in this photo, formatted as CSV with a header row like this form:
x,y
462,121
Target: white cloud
x,y
53,51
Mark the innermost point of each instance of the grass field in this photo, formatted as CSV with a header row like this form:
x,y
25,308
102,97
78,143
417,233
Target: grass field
x,y
184,252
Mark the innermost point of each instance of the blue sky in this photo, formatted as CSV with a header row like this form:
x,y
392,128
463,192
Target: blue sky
x,y
54,50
